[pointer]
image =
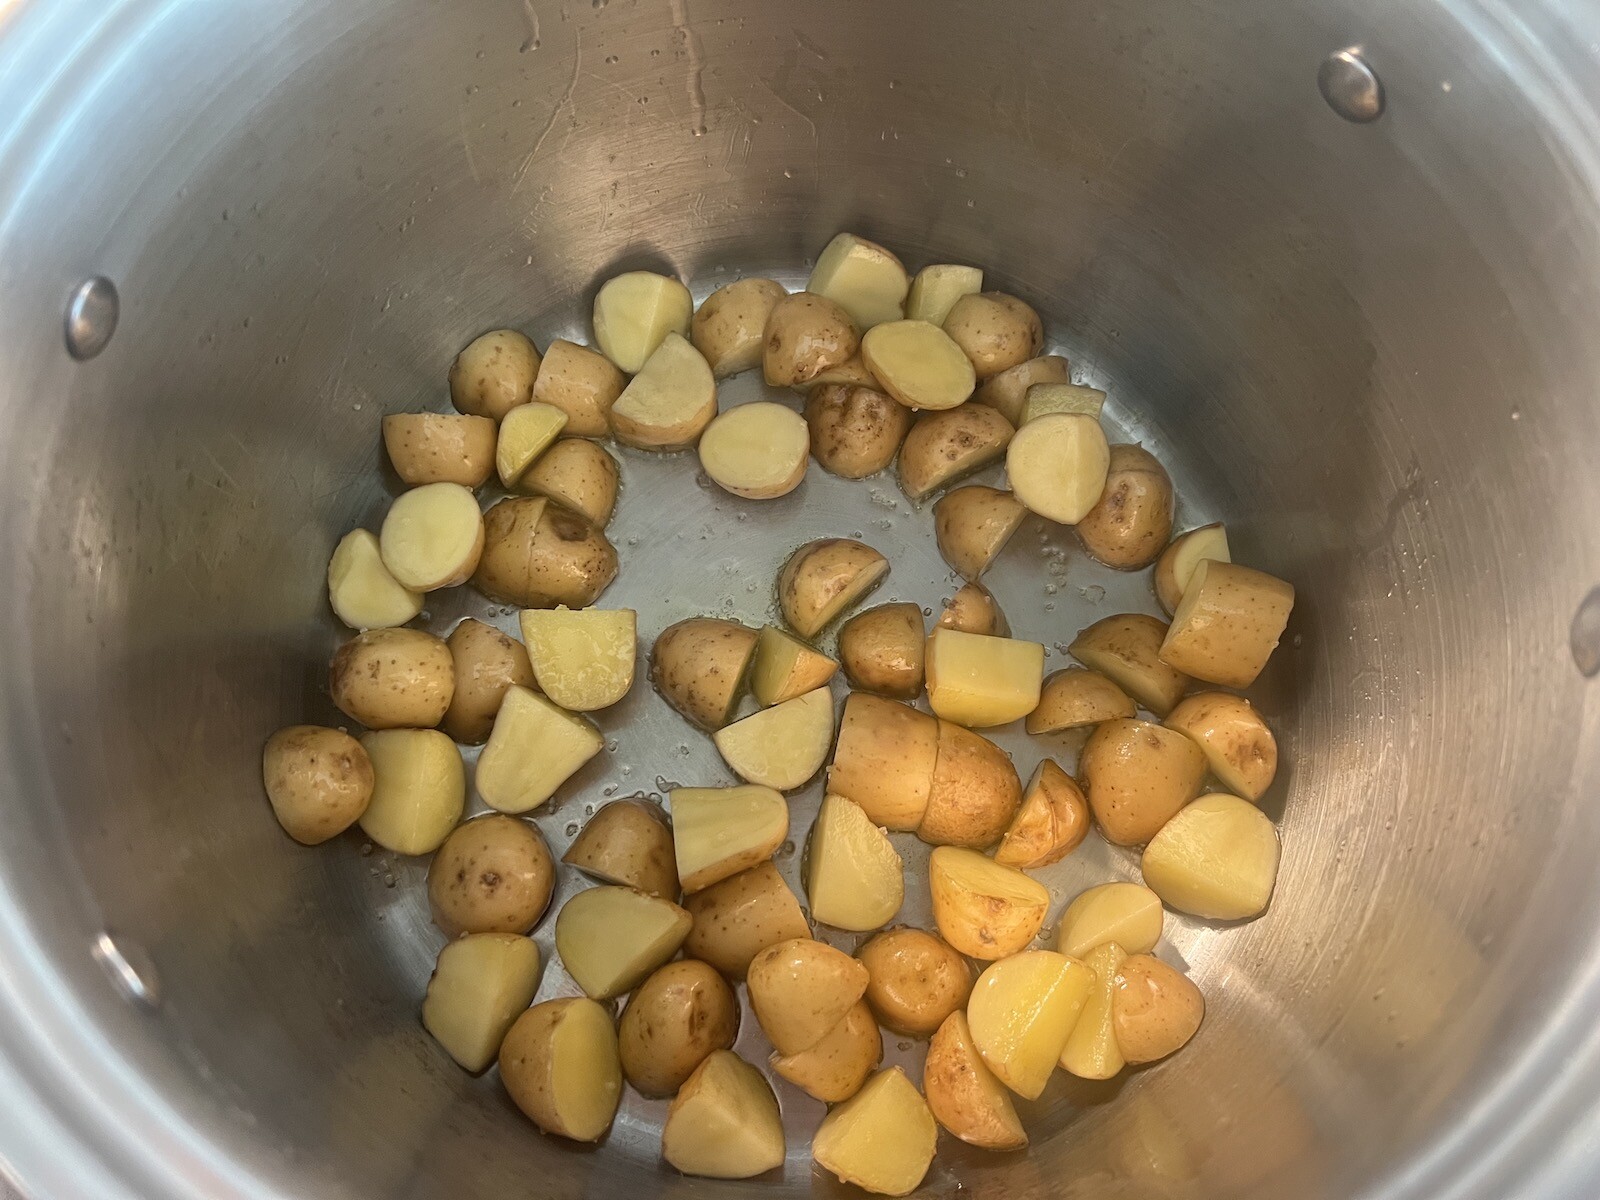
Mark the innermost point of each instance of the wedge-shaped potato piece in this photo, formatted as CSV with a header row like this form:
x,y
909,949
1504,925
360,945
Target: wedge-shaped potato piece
x,y
1091,1051
1125,648
538,554
854,875
1124,913
533,749
494,374
737,919
581,383
862,278
882,1139
973,609
486,662
1137,776
1155,1009
318,781
981,681
780,747
801,989
807,337
983,909
973,524
1176,565
914,980
853,373
730,324
526,433
856,429
1075,697
718,832
1228,623
579,474
883,648
997,332
964,1095
1057,465
611,938
682,1013
758,451
1051,824
481,984
1045,398
1007,392
668,404
583,658
949,445
628,842
1217,859
362,592
634,313
440,448
918,364
699,667
975,790
432,537
419,789
823,578
936,289
885,759
560,1065
785,667
1239,748
1023,1009
724,1123
835,1068
1129,525
393,679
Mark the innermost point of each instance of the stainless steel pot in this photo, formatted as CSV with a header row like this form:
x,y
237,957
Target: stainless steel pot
x,y
1370,347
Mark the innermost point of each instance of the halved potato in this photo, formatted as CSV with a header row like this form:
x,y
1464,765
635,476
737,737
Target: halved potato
x,y
823,578
634,313
975,790
936,289
611,938
882,650
583,658
1228,623
440,447
526,433
724,1123
1007,392
1176,565
918,364
494,374
758,451
853,872
1217,859
1137,776
882,1139
668,404
1125,649
318,781
674,1019
1051,824
914,980
885,759
1091,1051
1022,1011
718,832
1124,913
538,554
393,679
780,747
360,589
1238,746
806,336
485,662
856,430
1129,525
628,842
1057,466
862,278
964,1095
419,789
996,332
581,383
973,609
481,984
982,681
801,989
730,325
737,919
835,1068
784,667
493,874
1045,398
432,537
533,749
983,909
945,446
1075,697
1155,1009
973,524
560,1065
699,667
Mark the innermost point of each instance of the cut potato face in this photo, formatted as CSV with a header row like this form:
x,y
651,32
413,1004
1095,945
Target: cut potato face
x,y
1051,824
432,537
493,874
319,781
533,749
481,984
360,589
973,524
806,337
996,332
1239,748
682,1013
1176,565
983,909
1076,697
1057,466
740,917
936,289
1045,398
486,662
393,679
882,1139
628,842
724,1123
981,681
1155,1009
538,554
1129,525
699,668
634,313
1125,649
419,789
669,403
1217,859
823,578
758,451
1091,1051
918,364
718,832
801,989
784,667
856,429
582,659
964,1095
973,609
943,447
611,938
1124,913
440,448
882,650
494,374
781,747
582,384
1137,776
1228,623
862,278
1022,1011
835,1068
730,325
854,875
914,980
1007,392
559,1064
526,433
975,790
884,760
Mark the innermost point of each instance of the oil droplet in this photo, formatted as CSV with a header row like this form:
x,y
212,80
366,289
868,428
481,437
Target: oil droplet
x,y
572,829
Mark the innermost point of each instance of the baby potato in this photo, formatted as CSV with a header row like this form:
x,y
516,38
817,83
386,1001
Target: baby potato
x,y
432,537
1007,392
485,663
973,609
1045,398
1125,648
806,335
758,451
678,1016
725,1123
851,373
1075,697
582,659
579,474
973,524
823,578
718,832
983,909
1129,525
1155,1010
918,364
855,430
882,650
560,1065
784,667
493,874
730,326
1022,1011
419,789
1239,748
853,872
1091,1051
1137,776
538,554
975,790
494,374
861,277
885,759
1228,623
995,331
1217,859
582,384
781,747
1057,465
635,312
799,990
699,668
963,1094
882,1139
361,591
983,681
669,403
1124,913
1176,565
835,1068
1051,824
533,748
481,984
525,434
628,842
393,679
945,446
936,289
740,917
440,448
319,781
611,938
914,981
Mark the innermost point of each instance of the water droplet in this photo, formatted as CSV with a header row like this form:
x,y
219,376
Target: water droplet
x,y
611,745
572,829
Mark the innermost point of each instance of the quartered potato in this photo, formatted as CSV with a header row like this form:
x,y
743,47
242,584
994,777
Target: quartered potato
x,y
862,278
835,1068
758,451
699,668
852,373
973,609
884,760
669,403
780,747
1051,824
1129,526
975,790
1022,1011
526,433
481,984
724,1123
973,524
611,938
628,842
882,1139
318,780
534,747
432,537
918,364
1124,913
1045,398
583,658
684,1012
882,650
1155,1009
634,313
964,1095
856,430
1176,565
1057,465
486,662
538,554
493,874
1137,776
440,448
936,289
982,681
581,383
737,919
949,445
853,872
1125,648
806,335
559,1063
419,789
1075,697
784,667
1239,748
494,374
823,578
801,989
730,326
360,589
718,832
914,980
1217,859
393,679
983,909
1091,1051
995,331
1007,392
1228,623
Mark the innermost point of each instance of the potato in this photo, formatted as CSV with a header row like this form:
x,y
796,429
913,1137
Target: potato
x,y
393,679
1129,525
532,750
361,591
945,446
914,981
1137,776
579,474
319,781
1124,649
611,938
862,278
669,403
973,524
882,1139
678,1016
718,832
835,1068
805,336
494,374
882,650
1091,1051
725,1123
419,789
852,372
740,917
983,909
918,364
1057,466
582,659
1023,1009
780,747
964,1095
1227,624
1239,748
537,554
432,537
493,874
800,989
581,383
855,431
1124,913
853,872
559,1064
485,663
758,451
1075,697
823,578
1155,1010
1045,398
1007,392
1217,859
884,760
628,842
481,984
440,447
975,790
982,681
784,667
699,667
973,609
1176,565
936,289
730,326
995,331
1051,824
525,434
635,313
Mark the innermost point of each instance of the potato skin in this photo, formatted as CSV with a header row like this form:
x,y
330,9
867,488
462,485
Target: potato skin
x,y
995,331
486,662
1155,1009
393,679
1236,741
440,447
973,609
974,1109
628,842
673,1020
579,474
819,573
806,334
494,374
736,919
884,760
972,524
1130,525
951,443
1074,697
318,780
1008,391
1051,824
915,980
582,383
882,650
835,1068
527,1064
538,554
1137,776
493,874
975,792
729,326
699,666
855,431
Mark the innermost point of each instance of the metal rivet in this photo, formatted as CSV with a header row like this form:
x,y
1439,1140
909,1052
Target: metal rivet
x,y
1350,86
1585,636
130,969
91,317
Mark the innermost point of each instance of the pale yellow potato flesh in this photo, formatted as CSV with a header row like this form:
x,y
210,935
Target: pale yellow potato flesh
x,y
984,909
440,447
1008,391
1125,913
981,681
1155,1009
1217,859
419,789
1051,823
1057,466
758,451
393,679
582,383
1176,565
835,1068
432,537
914,980
823,578
718,832
559,1063
1125,648
800,989
781,747
534,747
583,658
319,781
785,667
1044,398
668,404
724,1123
730,325
628,842
882,1139
964,1095
611,938
1075,697
1021,1013
975,791
1239,748
740,917
972,525
683,1012
481,984
973,609
918,364
634,313
486,662
854,877
494,374
699,667
1137,776
526,433
936,289
950,444
361,591
862,278
1228,623
884,760
1091,1051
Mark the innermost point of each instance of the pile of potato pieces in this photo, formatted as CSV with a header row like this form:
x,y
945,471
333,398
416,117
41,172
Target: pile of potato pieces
x,y
945,379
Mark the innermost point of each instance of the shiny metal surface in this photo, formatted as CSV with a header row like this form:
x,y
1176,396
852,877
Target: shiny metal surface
x,y
1368,348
